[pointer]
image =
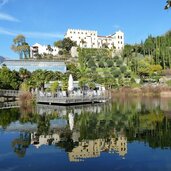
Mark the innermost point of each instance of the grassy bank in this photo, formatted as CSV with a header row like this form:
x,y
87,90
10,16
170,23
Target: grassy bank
x,y
156,91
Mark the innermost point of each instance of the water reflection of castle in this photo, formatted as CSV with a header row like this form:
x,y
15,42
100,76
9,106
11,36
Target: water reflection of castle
x,y
86,148
93,148
38,141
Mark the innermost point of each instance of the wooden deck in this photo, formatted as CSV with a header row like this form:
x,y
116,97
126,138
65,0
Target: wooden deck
x,y
70,100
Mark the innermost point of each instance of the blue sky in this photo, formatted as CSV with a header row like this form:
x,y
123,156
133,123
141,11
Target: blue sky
x,y
45,21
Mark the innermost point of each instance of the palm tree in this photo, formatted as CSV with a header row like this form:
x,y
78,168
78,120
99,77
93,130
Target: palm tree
x,y
49,48
24,73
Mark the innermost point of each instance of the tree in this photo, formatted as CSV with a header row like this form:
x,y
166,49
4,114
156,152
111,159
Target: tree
x,y
21,46
123,69
109,63
91,63
64,85
144,68
119,62
149,45
91,85
60,52
101,64
24,73
9,79
54,86
24,87
65,44
82,63
49,48
82,82
116,73
168,4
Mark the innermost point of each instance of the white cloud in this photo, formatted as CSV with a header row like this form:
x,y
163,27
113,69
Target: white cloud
x,y
38,35
8,17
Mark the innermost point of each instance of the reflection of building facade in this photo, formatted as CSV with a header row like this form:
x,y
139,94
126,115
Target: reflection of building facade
x,y
93,148
38,141
85,149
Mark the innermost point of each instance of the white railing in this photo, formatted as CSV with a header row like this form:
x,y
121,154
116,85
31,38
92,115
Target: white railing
x,y
11,93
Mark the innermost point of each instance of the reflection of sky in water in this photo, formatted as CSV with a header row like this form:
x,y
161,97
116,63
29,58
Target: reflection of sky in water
x,y
59,123
56,123
140,157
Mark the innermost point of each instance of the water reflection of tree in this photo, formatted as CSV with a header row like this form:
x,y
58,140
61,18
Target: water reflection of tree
x,y
66,141
151,128
43,124
21,144
7,116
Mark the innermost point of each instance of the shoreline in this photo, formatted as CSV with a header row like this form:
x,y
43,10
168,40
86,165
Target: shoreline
x,y
154,91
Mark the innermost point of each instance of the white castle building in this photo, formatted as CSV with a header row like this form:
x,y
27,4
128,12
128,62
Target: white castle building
x,y
91,39
43,49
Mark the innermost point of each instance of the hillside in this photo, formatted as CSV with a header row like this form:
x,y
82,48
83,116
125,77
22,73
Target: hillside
x,y
1,59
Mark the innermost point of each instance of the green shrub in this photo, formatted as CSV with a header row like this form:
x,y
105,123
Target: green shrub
x,y
101,64
123,69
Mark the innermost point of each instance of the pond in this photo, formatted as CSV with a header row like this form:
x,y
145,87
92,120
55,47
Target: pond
x,y
126,134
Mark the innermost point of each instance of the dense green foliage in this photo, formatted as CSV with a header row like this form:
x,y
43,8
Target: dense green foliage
x,y
156,48
9,79
147,61
13,79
